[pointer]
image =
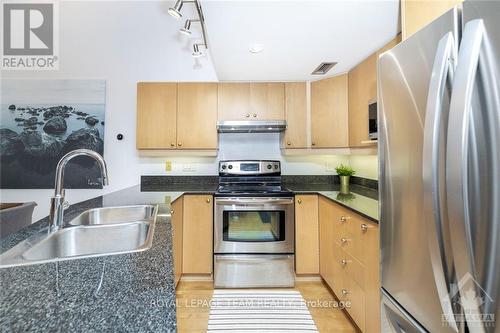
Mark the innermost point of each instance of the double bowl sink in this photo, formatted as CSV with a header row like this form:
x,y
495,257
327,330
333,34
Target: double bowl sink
x,y
95,232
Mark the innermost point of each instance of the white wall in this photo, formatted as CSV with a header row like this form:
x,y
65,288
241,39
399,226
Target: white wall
x,y
366,166
125,42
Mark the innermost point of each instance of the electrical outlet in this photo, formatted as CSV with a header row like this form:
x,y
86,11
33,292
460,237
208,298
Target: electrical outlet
x,y
168,199
168,166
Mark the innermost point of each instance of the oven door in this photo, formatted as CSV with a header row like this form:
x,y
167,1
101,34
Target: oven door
x,y
254,225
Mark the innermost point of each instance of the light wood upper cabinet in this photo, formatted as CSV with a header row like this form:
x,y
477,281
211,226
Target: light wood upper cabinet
x,y
416,14
156,115
176,221
363,90
251,101
267,101
296,115
306,234
197,116
197,244
329,112
234,101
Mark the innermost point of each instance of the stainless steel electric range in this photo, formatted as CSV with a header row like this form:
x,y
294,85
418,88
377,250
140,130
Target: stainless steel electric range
x,y
254,227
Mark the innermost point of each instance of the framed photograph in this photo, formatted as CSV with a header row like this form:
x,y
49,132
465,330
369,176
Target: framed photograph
x,y
43,119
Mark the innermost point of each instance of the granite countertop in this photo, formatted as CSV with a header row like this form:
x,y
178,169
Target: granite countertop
x,y
128,293
131,292
361,200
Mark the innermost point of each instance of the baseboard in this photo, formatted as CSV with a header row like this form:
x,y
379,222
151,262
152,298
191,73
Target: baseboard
x,y
197,277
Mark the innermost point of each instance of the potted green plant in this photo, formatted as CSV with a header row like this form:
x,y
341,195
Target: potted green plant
x,y
345,172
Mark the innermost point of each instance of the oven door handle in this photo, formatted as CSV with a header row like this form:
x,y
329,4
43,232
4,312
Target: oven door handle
x,y
254,201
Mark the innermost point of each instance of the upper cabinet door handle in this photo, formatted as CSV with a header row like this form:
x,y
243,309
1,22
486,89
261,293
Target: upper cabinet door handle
x,y
247,115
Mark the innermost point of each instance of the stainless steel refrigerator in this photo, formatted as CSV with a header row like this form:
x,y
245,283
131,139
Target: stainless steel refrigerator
x,y
439,146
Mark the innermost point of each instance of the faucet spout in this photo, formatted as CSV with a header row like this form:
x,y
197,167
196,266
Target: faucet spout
x,y
57,203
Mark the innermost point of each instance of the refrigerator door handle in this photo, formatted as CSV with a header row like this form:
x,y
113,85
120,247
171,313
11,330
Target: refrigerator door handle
x,y
441,78
457,170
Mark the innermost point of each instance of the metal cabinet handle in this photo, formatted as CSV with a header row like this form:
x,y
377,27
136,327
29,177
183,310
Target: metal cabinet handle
x,y
344,292
208,200
254,115
171,211
179,144
313,143
364,227
172,144
299,201
247,115
344,262
344,218
289,143
344,240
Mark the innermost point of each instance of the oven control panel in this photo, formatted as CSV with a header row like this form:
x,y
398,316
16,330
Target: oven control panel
x,y
249,167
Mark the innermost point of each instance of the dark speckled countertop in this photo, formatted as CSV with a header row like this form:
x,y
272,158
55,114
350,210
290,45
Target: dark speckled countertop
x,y
361,200
129,292
121,293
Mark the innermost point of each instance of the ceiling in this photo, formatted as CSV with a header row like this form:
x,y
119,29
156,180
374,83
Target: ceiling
x,y
297,36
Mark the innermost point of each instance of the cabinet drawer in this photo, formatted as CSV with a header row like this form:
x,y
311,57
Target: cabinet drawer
x,y
363,236
352,268
356,296
338,272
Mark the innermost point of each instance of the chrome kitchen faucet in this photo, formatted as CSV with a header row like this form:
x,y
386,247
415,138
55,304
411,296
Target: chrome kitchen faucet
x,y
57,204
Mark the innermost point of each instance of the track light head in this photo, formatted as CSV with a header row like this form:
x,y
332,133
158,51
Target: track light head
x,y
196,51
175,11
186,30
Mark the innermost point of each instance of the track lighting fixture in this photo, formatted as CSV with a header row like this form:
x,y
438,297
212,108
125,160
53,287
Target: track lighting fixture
x,y
175,11
196,51
186,30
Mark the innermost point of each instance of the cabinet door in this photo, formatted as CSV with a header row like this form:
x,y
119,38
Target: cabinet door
x,y
296,115
329,112
326,242
156,115
416,14
197,116
176,221
197,248
267,101
306,234
234,101
362,90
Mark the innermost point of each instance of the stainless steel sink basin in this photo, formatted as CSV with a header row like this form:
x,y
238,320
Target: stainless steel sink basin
x,y
113,215
96,232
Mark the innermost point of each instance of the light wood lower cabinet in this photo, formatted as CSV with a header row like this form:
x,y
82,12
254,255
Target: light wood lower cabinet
x,y
349,262
176,221
306,234
197,243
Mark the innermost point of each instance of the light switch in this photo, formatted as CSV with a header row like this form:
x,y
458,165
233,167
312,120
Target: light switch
x,y
168,166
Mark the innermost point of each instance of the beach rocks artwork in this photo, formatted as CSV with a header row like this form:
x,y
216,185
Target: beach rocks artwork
x,y
34,136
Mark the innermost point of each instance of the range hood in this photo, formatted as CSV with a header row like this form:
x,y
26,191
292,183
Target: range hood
x,y
251,126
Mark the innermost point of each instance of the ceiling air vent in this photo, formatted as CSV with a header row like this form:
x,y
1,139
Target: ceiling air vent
x,y
323,68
